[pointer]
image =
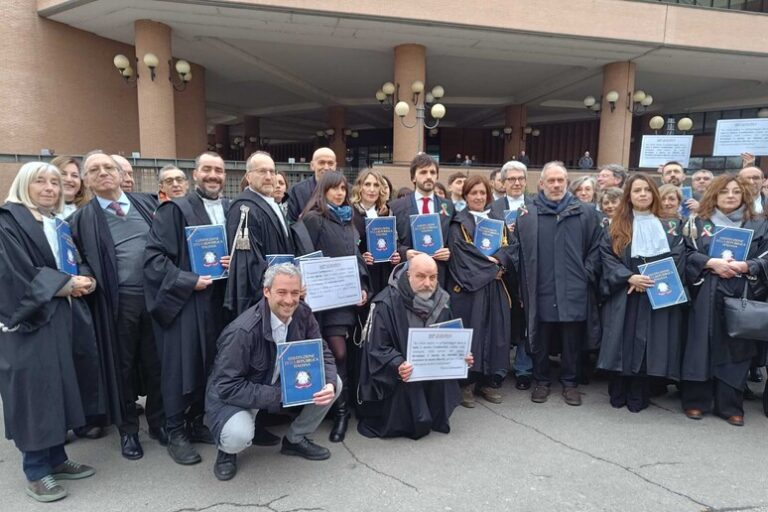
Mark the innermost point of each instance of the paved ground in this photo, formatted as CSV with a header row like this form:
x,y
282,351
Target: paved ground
x,y
514,456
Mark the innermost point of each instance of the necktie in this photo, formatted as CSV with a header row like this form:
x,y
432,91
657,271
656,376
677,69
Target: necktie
x,y
425,204
114,205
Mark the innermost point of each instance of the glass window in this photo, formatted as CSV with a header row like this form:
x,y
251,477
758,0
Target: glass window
x,y
733,162
710,121
714,163
749,113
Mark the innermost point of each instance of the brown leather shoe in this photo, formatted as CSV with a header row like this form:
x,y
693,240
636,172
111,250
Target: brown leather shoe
x,y
736,421
572,396
468,396
540,394
490,394
694,414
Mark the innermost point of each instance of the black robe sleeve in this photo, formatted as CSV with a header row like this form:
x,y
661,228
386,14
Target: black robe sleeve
x,y
382,355
469,268
615,273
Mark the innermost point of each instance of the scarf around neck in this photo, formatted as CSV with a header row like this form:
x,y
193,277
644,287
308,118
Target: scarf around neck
x,y
556,206
343,213
733,219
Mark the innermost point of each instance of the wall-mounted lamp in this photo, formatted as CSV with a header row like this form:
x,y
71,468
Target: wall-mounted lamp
x,y
179,81
638,102
656,123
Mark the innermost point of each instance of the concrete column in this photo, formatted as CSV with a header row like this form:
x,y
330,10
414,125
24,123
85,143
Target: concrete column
x,y
516,117
616,126
337,121
410,65
251,128
221,132
157,121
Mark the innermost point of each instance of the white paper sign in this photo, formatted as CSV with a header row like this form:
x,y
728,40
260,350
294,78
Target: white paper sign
x,y
657,150
331,282
438,354
736,136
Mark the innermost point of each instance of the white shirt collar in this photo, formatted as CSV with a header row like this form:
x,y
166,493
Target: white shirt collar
x,y
276,323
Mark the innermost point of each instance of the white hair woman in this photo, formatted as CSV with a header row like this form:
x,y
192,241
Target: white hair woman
x,y
38,377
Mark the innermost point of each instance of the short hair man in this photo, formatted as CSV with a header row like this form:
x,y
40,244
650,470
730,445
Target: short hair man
x,y
172,182
245,378
455,186
611,175
523,159
497,183
128,181
586,162
323,160
186,307
558,240
754,176
700,181
413,299
672,173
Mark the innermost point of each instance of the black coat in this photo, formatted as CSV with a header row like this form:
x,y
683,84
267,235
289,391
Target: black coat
x,y
187,322
477,297
501,204
653,343
266,236
577,265
335,239
38,381
91,234
241,377
378,272
298,197
709,349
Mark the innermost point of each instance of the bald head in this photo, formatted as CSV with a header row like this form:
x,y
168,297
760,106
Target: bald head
x,y
127,168
323,160
422,275
754,177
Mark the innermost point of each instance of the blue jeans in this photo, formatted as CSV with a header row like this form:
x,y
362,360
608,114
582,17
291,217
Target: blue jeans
x,y
523,364
40,463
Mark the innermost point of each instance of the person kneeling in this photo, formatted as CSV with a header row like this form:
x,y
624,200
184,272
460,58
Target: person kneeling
x,y
393,406
245,377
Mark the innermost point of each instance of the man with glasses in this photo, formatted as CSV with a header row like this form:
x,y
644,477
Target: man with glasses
x,y
257,221
173,183
186,308
111,234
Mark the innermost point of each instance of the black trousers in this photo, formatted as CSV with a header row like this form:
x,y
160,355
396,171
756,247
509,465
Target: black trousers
x,y
136,343
634,391
728,400
571,336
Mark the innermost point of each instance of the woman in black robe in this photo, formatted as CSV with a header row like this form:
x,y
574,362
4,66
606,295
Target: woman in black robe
x,y
638,342
328,222
478,294
715,365
38,379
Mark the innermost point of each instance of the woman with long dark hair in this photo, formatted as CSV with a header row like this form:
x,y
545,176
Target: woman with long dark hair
x,y
328,220
638,342
715,365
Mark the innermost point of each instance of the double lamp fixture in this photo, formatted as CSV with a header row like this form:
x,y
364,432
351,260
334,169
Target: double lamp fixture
x,y
637,102
179,81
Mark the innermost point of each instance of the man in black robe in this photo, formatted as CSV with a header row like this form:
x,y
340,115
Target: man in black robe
x,y
558,266
424,174
256,214
393,406
186,307
110,232
323,160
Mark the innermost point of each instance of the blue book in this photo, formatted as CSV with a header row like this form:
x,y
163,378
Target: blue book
x,y
488,235
279,259
426,233
381,235
668,289
510,216
207,245
687,193
67,249
316,254
456,323
302,370
730,243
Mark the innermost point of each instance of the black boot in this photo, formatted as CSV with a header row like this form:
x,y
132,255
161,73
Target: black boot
x,y
340,418
225,467
198,432
180,448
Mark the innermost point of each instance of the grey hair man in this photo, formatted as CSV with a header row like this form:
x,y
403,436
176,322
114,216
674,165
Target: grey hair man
x,y
611,175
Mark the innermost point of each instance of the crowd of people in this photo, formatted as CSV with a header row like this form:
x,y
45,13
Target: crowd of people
x,y
102,305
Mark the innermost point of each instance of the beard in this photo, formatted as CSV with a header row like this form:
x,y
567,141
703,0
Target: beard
x,y
424,295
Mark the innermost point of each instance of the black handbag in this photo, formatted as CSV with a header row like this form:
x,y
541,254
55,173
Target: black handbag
x,y
746,319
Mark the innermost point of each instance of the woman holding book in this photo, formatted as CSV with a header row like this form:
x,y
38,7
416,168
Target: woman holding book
x,y
478,294
715,365
643,324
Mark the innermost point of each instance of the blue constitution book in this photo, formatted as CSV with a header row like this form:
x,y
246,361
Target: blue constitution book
x,y
207,245
456,323
730,243
302,372
67,249
510,216
488,235
381,235
687,193
668,289
279,259
426,234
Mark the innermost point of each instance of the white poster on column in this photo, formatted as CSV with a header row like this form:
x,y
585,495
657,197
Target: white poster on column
x,y
657,150
736,136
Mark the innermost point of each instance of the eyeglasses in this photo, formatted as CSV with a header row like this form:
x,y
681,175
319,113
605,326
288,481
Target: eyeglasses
x,y
515,180
263,172
178,179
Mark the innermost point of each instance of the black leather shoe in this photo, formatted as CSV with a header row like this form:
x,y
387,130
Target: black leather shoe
x,y
89,432
263,437
180,449
755,375
304,448
523,382
225,467
130,446
199,433
159,435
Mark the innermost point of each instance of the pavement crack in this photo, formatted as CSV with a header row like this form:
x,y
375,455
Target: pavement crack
x,y
652,464
382,473
736,509
598,458
268,505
